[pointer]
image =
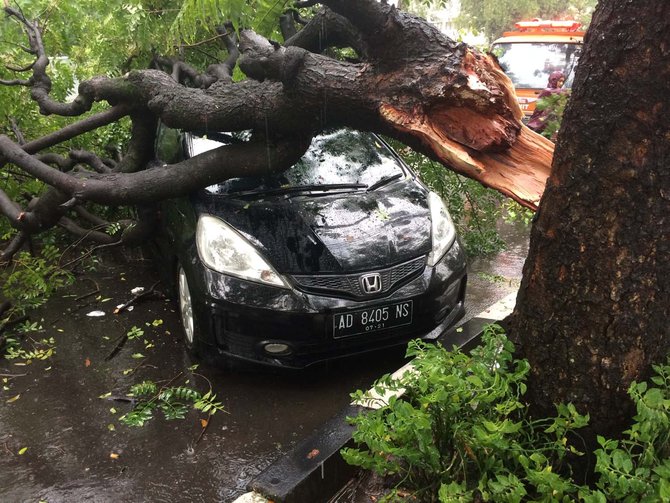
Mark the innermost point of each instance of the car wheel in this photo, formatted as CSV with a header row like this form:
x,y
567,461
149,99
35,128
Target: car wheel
x,y
186,310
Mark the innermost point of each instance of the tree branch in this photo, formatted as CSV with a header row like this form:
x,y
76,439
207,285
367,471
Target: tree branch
x,y
17,131
72,130
328,29
40,83
85,234
10,208
16,82
90,159
14,246
89,217
161,182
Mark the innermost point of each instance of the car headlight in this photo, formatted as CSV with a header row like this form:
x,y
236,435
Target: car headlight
x,y
225,250
443,230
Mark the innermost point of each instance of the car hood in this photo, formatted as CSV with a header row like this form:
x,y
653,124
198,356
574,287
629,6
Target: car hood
x,y
343,232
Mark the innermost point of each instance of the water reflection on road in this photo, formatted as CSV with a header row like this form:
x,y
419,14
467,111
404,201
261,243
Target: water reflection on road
x,y
78,451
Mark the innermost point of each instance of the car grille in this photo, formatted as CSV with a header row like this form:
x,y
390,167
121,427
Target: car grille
x,y
349,285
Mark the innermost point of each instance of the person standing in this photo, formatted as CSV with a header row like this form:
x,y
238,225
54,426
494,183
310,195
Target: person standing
x,y
545,113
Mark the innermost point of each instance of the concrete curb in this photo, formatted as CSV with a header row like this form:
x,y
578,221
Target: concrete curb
x,y
314,471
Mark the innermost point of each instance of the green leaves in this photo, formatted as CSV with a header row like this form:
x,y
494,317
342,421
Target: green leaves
x,y
173,401
135,333
637,467
32,280
461,433
41,349
196,19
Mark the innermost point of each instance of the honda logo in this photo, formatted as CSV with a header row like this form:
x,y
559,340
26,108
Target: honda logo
x,y
371,283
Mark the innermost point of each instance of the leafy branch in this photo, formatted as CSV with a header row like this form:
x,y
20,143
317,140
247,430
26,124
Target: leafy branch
x,y
173,401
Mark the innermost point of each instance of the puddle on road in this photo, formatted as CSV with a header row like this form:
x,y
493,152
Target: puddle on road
x,y
73,455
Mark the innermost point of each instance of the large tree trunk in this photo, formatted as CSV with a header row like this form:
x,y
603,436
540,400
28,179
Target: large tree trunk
x,y
593,308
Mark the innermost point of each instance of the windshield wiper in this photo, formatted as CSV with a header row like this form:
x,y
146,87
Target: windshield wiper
x,y
299,188
383,181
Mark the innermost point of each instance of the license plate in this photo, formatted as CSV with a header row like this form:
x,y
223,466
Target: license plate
x,y
372,319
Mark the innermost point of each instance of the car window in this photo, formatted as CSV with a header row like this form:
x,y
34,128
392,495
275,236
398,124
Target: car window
x,y
336,157
529,65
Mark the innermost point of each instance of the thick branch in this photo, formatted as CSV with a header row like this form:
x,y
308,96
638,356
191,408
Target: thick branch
x,y
90,159
141,146
161,182
446,100
10,208
63,163
328,29
382,26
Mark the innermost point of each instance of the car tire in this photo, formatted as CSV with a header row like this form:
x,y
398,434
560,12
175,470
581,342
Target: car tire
x,y
198,351
185,304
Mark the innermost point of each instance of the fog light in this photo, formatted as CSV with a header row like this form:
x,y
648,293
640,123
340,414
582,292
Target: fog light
x,y
277,348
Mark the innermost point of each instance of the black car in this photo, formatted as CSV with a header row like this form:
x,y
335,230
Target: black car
x,y
345,252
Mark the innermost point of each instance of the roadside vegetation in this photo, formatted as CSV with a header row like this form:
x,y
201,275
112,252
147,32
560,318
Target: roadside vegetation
x,y
462,432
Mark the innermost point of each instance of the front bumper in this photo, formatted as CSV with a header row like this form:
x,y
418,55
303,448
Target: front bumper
x,y
243,320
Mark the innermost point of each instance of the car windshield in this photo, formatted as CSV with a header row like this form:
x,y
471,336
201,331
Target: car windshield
x,y
529,65
340,159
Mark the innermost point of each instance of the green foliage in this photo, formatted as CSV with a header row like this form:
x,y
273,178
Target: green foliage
x,y
113,228
173,401
135,333
474,208
637,468
196,16
552,108
41,349
32,280
514,212
461,432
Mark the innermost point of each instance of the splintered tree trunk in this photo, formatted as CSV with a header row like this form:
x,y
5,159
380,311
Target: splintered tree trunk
x,y
593,309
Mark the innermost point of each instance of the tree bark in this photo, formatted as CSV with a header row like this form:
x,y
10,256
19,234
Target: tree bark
x,y
593,308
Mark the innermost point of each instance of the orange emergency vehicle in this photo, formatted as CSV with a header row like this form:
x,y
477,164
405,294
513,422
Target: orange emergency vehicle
x,y
533,51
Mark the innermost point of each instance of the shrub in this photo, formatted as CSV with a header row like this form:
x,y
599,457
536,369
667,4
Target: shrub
x,y
461,432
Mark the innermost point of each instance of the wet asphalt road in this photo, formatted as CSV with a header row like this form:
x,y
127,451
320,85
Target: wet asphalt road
x,y
60,437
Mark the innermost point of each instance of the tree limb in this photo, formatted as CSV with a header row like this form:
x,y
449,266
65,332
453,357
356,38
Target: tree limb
x,y
40,83
70,131
164,181
328,29
85,234
14,246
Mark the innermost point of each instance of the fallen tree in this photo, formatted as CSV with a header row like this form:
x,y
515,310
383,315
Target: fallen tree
x,y
442,98
595,294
